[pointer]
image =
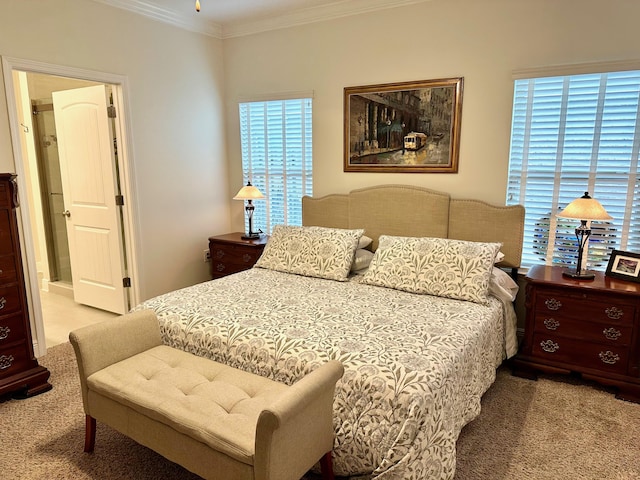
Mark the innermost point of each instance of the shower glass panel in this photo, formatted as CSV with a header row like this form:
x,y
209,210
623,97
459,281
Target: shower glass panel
x,y
51,193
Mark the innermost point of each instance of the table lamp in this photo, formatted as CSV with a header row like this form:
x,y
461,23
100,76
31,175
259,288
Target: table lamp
x,y
584,209
249,193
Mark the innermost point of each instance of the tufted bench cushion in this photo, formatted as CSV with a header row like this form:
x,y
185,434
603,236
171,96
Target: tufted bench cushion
x,y
217,421
214,403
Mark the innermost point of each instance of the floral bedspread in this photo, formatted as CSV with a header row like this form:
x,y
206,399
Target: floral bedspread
x,y
415,365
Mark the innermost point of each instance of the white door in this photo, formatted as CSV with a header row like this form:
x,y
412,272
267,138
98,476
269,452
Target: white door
x,y
87,163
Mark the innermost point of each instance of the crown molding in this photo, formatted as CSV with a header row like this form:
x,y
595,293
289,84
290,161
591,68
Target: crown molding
x,y
192,23
338,9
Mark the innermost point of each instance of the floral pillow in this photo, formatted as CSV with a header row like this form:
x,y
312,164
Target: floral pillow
x,y
311,251
434,266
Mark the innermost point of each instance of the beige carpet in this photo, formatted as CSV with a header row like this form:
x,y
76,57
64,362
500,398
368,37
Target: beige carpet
x,y
549,429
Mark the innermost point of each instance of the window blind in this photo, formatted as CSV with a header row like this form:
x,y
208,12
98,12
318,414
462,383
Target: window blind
x,y
569,135
276,143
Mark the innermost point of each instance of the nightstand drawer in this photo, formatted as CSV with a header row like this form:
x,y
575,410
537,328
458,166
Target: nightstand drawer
x,y
234,255
609,333
605,358
591,307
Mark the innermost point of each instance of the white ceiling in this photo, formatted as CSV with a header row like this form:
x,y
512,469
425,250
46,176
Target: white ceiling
x,y
231,18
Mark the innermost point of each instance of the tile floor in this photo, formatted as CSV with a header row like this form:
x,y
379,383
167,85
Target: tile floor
x,y
62,315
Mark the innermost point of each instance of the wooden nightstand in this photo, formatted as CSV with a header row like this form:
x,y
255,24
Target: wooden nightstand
x,y
231,254
586,326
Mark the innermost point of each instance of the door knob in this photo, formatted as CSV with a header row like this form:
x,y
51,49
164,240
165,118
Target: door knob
x,y
66,213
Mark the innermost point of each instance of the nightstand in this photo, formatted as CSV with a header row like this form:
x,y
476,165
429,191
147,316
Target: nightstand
x,y
590,327
231,254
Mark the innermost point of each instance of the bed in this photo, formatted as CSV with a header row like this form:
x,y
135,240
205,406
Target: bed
x,y
418,350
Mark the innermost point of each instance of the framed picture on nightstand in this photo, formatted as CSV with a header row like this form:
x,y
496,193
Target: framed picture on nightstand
x,y
624,265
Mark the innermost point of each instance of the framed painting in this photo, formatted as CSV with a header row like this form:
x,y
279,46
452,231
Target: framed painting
x,y
403,127
624,265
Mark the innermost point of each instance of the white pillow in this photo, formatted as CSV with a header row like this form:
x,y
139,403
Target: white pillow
x,y
311,251
499,257
434,266
364,241
361,260
502,285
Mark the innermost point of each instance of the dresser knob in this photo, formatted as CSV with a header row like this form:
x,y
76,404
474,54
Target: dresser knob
x,y
3,302
246,258
6,361
549,346
609,357
219,254
4,332
220,267
611,333
614,313
551,323
553,304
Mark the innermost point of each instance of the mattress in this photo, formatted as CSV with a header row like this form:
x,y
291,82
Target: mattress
x,y
416,366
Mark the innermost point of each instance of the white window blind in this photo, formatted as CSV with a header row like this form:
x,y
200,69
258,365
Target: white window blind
x,y
570,135
276,141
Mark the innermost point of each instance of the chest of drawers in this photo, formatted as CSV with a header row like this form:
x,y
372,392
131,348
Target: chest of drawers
x,y
231,254
20,373
586,326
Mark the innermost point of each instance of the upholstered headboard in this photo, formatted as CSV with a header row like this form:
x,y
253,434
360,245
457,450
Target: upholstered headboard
x,y
411,211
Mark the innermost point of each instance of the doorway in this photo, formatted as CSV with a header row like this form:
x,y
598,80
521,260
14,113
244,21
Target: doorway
x,y
34,137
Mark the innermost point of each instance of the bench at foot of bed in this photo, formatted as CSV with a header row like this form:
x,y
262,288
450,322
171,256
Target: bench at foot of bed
x,y
216,421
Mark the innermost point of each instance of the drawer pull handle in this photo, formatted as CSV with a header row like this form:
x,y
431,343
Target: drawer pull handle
x,y
611,333
3,302
614,313
549,346
220,267
552,304
6,361
4,332
609,357
246,258
219,254
551,323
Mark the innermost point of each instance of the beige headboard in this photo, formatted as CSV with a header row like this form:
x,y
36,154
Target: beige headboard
x,y
419,212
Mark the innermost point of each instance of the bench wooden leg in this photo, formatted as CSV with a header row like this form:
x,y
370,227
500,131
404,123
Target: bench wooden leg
x,y
89,434
326,467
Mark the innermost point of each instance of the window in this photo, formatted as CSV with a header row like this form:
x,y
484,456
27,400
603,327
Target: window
x,y
573,134
276,140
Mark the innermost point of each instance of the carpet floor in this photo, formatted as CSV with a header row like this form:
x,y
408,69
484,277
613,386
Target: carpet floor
x,y
555,428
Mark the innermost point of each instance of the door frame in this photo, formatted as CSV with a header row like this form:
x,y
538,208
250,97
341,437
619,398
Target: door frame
x,y
127,179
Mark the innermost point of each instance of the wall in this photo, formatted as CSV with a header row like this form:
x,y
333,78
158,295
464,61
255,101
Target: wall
x,y
175,91
483,41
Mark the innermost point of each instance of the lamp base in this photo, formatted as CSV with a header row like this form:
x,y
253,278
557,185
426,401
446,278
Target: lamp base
x,y
250,236
579,276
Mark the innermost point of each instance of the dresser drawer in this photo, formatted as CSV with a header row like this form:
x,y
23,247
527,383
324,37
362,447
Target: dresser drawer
x,y
6,239
11,329
9,300
605,358
7,269
595,308
220,269
607,333
4,195
13,360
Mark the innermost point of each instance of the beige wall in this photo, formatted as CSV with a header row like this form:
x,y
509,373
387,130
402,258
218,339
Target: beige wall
x,y
175,83
483,41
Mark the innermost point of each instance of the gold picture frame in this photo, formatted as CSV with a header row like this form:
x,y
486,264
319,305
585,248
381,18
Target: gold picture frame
x,y
407,127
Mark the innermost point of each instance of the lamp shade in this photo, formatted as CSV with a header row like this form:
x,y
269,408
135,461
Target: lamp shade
x,y
248,192
585,208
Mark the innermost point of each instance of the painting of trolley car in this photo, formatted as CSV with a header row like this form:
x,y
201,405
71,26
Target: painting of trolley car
x,y
415,140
